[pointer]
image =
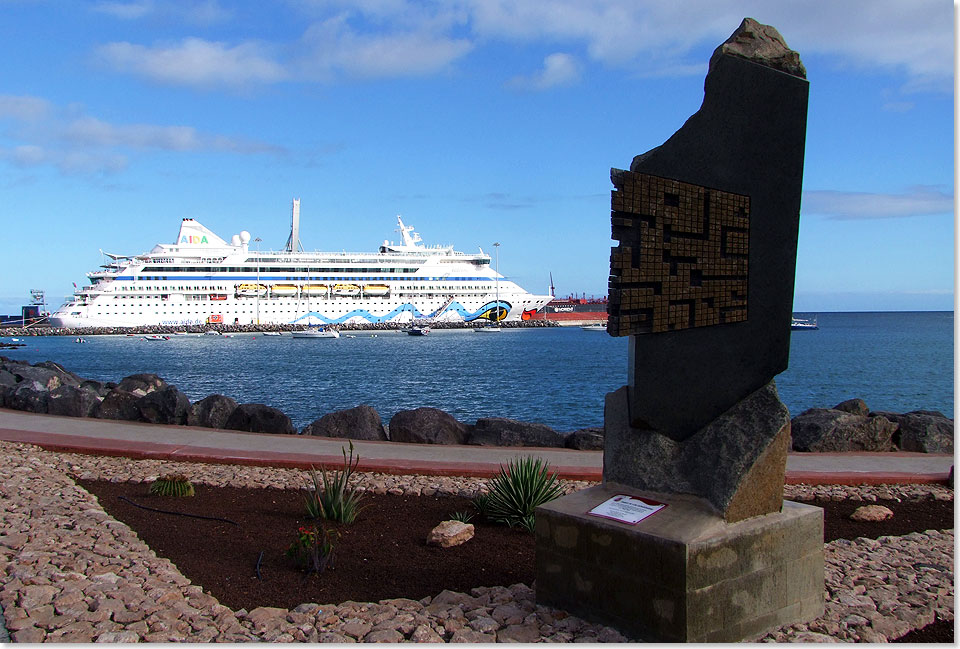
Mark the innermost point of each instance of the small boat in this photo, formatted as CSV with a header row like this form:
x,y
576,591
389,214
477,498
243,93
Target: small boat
x,y
251,290
316,332
418,331
487,329
346,290
594,327
376,290
283,290
801,324
314,289
78,340
212,332
155,337
272,333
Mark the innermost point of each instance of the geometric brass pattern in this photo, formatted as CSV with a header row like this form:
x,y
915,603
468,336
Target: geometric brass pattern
x,y
682,258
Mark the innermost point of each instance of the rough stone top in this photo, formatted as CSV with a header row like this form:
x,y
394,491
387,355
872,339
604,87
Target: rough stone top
x,y
761,44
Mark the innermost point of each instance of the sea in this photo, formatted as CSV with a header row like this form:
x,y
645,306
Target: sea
x,y
896,361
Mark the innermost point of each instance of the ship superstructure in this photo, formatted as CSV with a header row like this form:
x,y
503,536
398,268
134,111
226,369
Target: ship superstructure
x,y
203,279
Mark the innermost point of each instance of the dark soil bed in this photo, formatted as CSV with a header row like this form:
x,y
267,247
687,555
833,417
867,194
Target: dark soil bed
x,y
383,554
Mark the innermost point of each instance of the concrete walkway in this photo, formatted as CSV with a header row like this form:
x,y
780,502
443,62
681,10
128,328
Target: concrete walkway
x,y
188,443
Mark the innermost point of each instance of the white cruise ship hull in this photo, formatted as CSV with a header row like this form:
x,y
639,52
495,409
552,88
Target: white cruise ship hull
x,y
201,280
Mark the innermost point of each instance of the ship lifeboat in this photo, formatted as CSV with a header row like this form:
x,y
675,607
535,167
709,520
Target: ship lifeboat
x,y
283,290
376,290
217,296
314,289
251,290
346,290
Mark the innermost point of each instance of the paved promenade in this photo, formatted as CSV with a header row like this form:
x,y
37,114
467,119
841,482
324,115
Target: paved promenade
x,y
186,443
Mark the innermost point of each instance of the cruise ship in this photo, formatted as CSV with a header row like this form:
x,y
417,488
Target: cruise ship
x,y
202,279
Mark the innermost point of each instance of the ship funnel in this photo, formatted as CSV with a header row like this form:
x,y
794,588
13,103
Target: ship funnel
x,y
293,243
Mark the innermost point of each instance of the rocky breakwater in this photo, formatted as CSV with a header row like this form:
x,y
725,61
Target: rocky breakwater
x,y
49,388
852,426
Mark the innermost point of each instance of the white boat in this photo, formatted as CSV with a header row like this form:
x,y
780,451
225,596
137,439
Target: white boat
x,y
155,337
594,327
801,324
417,331
212,332
489,329
271,333
316,333
201,278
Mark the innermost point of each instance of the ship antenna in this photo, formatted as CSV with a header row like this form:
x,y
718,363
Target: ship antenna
x,y
552,293
293,243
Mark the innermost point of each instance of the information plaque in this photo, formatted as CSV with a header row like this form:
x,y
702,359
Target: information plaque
x,y
627,509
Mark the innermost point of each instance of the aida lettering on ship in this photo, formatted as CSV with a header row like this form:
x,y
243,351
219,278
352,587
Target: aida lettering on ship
x,y
202,279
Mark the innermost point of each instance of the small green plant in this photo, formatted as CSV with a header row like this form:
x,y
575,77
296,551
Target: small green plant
x,y
463,517
172,485
313,548
481,504
332,497
518,490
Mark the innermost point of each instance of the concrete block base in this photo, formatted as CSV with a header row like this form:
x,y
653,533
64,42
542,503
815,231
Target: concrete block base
x,y
683,574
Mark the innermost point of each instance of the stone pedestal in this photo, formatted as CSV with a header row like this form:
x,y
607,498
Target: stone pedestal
x,y
683,574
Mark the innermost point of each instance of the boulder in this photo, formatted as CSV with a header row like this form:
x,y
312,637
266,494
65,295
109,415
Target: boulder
x,y
258,418
7,379
362,422
871,513
101,388
450,533
47,378
168,405
499,431
211,412
118,404
925,431
854,407
66,376
828,430
426,426
29,396
142,384
71,401
585,439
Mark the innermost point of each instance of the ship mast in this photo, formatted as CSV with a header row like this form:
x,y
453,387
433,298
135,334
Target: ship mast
x,y
293,243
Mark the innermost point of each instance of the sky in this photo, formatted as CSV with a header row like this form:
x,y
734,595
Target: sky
x,y
479,121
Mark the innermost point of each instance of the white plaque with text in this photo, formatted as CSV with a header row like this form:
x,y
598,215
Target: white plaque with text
x,y
627,509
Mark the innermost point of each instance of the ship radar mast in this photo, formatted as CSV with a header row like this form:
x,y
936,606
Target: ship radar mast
x,y
293,243
410,238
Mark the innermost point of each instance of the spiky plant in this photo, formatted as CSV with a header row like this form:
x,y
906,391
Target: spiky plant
x,y
332,497
463,517
519,489
172,485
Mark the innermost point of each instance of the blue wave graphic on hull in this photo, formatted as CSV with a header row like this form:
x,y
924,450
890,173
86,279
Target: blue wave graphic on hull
x,y
456,307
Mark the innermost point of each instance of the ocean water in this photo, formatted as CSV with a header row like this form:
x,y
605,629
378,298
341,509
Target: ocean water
x,y
556,376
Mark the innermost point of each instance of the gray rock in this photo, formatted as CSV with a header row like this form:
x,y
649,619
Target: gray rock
x,y
167,405
211,412
426,426
101,388
142,384
761,44
854,407
499,431
48,379
585,439
118,404
66,377
29,396
259,418
71,401
925,431
827,430
7,379
362,422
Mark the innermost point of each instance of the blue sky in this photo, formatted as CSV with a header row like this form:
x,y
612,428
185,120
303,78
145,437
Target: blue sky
x,y
477,120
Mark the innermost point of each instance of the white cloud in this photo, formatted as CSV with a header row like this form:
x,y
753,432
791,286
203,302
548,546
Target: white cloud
x,y
558,70
918,201
196,62
202,12
77,143
125,10
334,46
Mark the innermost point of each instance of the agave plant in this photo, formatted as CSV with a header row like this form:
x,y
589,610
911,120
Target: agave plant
x,y
518,490
172,485
463,517
332,497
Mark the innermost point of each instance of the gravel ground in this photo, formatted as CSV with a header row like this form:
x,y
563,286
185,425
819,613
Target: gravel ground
x,y
69,572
